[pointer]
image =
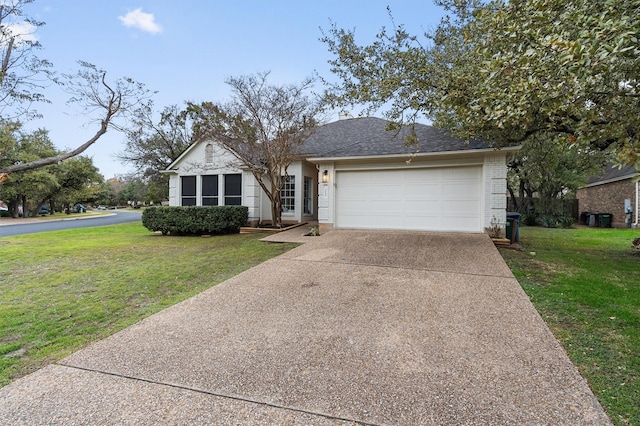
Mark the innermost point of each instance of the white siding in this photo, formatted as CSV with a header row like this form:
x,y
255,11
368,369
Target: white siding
x,y
495,188
251,196
174,184
325,195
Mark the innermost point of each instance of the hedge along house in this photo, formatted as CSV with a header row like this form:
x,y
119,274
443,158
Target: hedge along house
x,y
355,174
610,192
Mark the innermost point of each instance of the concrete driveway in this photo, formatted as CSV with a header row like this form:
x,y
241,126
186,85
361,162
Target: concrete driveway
x,y
352,327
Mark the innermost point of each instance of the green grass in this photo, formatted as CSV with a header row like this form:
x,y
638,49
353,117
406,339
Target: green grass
x,y
60,291
585,283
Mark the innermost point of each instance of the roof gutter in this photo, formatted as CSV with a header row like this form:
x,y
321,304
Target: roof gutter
x,y
409,154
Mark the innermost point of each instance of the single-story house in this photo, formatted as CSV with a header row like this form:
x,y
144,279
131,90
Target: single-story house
x,y
611,192
353,173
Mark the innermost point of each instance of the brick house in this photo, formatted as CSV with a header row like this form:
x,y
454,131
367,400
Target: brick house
x,y
607,192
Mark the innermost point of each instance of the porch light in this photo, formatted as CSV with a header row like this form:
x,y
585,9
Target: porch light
x,y
325,176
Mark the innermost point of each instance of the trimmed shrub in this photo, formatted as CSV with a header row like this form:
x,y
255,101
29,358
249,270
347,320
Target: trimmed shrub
x,y
566,222
194,220
549,221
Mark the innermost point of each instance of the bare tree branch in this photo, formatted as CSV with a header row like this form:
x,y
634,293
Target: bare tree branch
x,y
90,89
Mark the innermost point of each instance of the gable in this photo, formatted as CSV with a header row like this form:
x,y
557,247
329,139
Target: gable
x,y
205,157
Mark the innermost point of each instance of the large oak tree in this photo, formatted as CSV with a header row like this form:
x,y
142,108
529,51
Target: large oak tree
x,y
506,71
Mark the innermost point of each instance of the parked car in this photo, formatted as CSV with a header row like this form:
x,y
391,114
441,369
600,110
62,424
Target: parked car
x,y
4,210
79,208
101,207
43,211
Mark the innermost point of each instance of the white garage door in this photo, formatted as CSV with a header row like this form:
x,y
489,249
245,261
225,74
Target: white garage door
x,y
440,199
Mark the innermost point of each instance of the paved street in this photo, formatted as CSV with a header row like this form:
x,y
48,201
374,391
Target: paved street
x,y
10,226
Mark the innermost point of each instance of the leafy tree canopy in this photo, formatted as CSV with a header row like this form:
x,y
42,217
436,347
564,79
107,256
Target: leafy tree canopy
x,y
69,181
505,71
78,181
549,170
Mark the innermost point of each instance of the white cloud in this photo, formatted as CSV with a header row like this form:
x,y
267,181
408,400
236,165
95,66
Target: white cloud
x,y
22,31
141,20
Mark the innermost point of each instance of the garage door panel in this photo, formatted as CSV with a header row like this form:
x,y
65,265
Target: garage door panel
x,y
388,196
447,199
464,206
426,208
466,188
421,191
418,222
461,173
382,207
353,207
455,224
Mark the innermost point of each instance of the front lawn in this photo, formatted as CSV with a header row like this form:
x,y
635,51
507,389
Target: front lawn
x,y
60,291
585,283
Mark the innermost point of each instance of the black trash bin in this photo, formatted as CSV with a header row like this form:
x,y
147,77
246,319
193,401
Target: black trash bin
x,y
584,218
515,216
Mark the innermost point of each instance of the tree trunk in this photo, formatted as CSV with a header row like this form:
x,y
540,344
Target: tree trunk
x,y
515,201
25,211
272,189
276,210
14,206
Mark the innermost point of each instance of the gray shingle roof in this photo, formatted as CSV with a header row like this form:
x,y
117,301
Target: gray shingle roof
x,y
367,136
612,172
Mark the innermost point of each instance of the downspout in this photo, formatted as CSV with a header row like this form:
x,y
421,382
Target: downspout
x,y
636,223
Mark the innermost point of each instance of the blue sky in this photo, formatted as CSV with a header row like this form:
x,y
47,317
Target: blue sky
x,y
185,50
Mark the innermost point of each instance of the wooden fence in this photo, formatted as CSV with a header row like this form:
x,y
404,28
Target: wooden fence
x,y
536,207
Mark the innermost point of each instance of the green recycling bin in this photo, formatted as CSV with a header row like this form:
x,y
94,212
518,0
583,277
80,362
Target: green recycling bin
x,y
605,220
509,230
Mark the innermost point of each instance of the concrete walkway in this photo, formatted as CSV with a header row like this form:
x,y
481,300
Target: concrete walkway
x,y
352,327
